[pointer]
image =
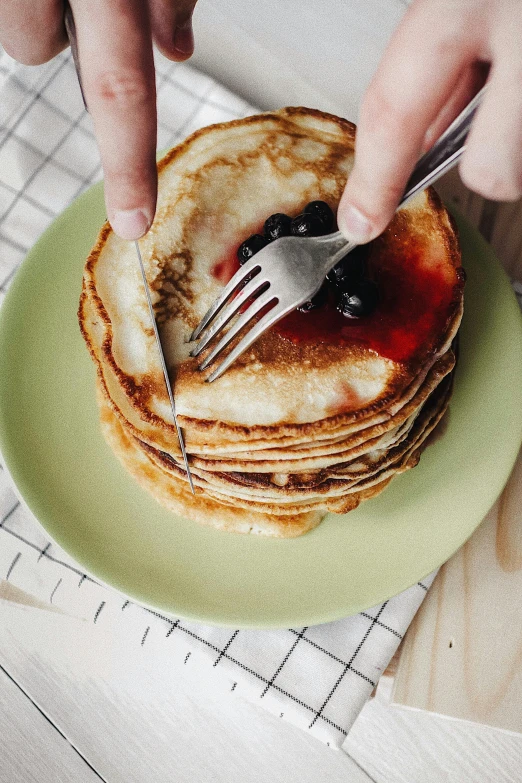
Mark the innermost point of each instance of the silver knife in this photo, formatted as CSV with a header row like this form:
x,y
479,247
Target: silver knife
x,y
71,32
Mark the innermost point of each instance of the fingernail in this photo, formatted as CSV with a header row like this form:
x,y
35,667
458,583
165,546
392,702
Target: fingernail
x,y
183,39
354,224
130,223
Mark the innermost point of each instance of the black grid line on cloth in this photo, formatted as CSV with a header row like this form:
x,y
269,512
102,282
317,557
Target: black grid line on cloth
x,y
348,666
30,199
163,77
8,514
11,567
48,104
181,131
145,635
5,282
87,181
246,668
57,585
47,555
172,628
285,659
36,94
208,101
45,160
177,625
44,715
317,646
98,610
423,586
15,245
382,625
225,648
44,551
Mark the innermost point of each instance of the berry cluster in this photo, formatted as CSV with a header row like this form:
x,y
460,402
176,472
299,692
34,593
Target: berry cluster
x,y
355,295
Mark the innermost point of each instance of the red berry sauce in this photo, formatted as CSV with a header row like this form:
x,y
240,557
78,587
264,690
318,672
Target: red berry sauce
x,y
416,290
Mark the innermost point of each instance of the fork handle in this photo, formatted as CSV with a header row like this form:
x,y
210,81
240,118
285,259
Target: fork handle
x,y
445,153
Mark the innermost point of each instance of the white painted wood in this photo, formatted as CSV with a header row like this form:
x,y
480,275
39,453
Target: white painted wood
x,y
138,719
32,750
398,745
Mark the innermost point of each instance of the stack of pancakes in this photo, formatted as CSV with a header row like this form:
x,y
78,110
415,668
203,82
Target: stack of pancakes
x,y
322,411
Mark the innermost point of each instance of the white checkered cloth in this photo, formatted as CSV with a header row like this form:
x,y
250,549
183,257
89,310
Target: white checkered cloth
x,y
317,677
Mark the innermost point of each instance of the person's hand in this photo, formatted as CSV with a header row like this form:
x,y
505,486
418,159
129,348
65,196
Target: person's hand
x,y
115,49
437,60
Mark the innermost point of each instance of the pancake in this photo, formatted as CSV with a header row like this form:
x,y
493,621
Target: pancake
x,y
215,189
174,493
321,412
324,484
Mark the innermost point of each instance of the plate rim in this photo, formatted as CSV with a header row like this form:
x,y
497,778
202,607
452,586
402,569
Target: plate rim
x,y
220,619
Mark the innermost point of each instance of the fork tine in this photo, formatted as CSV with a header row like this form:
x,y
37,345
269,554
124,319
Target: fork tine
x,y
250,268
251,288
256,306
264,323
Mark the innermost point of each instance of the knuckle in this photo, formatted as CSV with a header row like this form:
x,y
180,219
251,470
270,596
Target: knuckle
x,y
121,87
488,183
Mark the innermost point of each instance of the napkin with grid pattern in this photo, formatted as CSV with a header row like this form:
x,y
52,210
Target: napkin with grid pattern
x,y
317,677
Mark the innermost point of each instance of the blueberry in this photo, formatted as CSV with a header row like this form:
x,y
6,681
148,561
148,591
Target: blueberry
x,y
278,225
360,300
316,301
250,247
350,269
321,210
306,225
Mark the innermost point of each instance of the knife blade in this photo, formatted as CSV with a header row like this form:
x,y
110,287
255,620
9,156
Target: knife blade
x,y
71,32
164,366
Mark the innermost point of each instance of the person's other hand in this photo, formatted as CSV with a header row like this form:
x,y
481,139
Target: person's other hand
x,y
437,60
115,49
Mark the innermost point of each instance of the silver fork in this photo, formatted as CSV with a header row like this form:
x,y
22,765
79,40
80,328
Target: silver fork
x,y
290,271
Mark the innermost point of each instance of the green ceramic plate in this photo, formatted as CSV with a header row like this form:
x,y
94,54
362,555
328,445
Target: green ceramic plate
x,y
53,448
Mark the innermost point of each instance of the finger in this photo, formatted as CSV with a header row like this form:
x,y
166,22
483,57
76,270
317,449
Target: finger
x,y
415,79
115,50
492,162
32,32
171,22
467,87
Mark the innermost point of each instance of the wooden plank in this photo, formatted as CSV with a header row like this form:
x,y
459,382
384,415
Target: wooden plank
x,y
33,750
9,592
137,718
463,653
397,745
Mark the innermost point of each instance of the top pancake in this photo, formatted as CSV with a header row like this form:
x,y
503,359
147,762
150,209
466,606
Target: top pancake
x,y
215,189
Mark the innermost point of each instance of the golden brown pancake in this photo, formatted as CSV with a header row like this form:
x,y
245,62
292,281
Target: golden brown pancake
x,y
320,412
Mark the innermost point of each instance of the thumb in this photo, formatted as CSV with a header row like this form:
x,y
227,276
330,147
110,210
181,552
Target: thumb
x,y
367,206
171,23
